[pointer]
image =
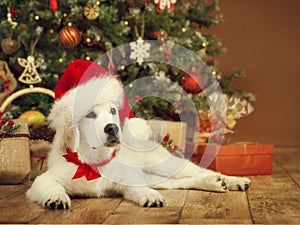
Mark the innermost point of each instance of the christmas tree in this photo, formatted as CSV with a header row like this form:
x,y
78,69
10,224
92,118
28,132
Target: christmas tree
x,y
57,32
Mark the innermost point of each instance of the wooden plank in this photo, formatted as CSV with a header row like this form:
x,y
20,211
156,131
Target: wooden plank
x,y
89,210
8,190
279,180
289,159
15,208
275,207
129,213
174,197
276,198
209,207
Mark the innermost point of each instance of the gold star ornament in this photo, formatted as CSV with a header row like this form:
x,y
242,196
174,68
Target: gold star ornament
x,y
91,11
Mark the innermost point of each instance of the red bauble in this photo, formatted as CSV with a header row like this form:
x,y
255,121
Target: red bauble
x,y
13,11
53,5
192,84
69,36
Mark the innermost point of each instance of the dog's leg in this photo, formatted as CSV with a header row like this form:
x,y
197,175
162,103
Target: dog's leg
x,y
185,174
48,192
131,184
143,196
232,183
207,182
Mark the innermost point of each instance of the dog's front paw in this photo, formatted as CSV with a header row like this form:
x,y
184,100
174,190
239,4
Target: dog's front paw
x,y
151,198
238,183
213,183
57,200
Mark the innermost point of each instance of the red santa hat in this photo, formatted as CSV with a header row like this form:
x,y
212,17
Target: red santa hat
x,y
84,84
77,72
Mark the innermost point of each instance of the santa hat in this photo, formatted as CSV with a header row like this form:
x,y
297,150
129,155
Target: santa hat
x,y
83,85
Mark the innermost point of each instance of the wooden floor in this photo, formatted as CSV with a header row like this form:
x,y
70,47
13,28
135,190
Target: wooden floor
x,y
272,199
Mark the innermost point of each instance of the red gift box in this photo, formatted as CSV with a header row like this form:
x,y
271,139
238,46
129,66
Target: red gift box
x,y
235,159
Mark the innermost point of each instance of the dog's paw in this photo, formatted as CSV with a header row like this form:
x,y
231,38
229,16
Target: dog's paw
x,y
213,182
57,200
238,183
151,198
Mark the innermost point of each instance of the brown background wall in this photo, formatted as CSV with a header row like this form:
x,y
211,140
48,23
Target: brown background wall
x,y
262,38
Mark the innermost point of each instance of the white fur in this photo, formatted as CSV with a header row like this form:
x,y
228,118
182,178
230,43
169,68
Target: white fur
x,y
139,166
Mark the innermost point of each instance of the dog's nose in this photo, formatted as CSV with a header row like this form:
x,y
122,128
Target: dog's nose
x,y
111,129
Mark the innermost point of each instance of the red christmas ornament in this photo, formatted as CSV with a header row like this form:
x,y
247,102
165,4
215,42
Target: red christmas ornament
x,y
13,11
69,36
11,123
166,138
54,5
192,84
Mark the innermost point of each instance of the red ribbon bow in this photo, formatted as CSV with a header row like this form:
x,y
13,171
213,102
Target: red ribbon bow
x,y
90,171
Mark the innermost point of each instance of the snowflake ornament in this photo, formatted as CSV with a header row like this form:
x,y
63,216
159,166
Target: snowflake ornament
x,y
139,50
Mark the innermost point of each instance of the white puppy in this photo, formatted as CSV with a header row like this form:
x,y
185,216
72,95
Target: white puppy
x,y
93,156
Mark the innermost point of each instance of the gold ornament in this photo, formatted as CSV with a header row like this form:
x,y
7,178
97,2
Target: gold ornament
x,y
69,36
162,35
91,11
23,27
10,46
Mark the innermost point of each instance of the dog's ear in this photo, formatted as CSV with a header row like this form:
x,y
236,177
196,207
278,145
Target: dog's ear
x,y
136,129
62,124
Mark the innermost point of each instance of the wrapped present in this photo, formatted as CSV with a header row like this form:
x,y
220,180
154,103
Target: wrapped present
x,y
15,155
235,159
175,130
39,150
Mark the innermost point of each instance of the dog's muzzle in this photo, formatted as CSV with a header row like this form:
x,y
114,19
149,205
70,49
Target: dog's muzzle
x,y
112,131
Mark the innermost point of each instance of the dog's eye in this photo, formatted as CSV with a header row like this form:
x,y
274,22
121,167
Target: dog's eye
x,y
91,115
113,111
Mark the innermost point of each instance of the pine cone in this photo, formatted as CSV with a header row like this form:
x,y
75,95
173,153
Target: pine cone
x,y
42,133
